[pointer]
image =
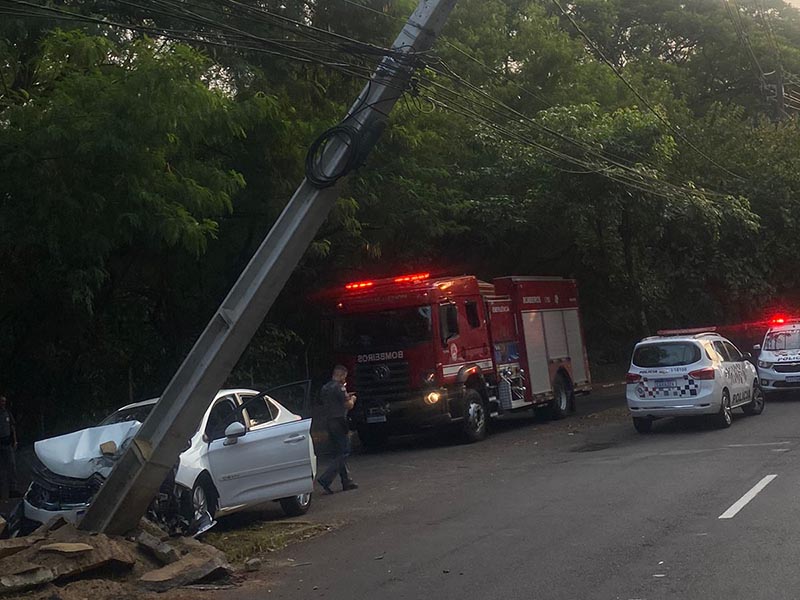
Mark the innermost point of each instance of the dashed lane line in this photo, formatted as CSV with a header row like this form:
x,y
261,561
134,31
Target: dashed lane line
x,y
744,500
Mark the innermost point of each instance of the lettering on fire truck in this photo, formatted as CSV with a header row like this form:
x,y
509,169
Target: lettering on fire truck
x,y
362,358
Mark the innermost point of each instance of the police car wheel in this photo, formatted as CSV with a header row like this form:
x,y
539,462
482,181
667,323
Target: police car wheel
x,y
756,404
643,424
724,418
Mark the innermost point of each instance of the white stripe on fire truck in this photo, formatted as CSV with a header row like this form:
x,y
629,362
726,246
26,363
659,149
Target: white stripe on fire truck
x,y
449,370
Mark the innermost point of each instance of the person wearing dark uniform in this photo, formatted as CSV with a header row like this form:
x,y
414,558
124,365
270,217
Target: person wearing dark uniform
x,y
8,444
337,402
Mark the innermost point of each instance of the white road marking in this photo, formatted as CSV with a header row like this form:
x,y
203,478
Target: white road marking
x,y
756,445
780,449
744,500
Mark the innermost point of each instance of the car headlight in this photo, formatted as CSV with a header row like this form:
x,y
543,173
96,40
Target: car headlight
x,y
765,365
432,398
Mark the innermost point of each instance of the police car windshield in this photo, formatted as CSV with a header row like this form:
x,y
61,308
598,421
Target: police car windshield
x,y
384,330
782,340
668,354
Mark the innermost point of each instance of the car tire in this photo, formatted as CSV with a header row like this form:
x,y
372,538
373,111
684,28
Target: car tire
x,y
373,437
562,398
724,418
296,505
476,417
204,495
756,404
643,424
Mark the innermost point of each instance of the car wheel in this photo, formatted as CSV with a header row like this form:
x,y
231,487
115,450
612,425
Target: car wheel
x,y
475,416
204,498
296,505
562,398
643,424
724,418
756,404
373,437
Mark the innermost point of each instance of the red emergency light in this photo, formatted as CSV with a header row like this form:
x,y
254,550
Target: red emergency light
x,y
412,278
783,320
359,285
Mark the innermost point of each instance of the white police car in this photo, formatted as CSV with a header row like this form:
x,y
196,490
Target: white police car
x,y
779,356
690,372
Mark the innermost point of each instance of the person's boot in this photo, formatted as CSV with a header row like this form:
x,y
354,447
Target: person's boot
x,y
349,485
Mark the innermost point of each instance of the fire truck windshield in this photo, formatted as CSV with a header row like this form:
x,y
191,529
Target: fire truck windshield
x,y
384,330
782,340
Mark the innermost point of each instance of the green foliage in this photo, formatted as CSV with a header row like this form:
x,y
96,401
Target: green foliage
x,y
137,177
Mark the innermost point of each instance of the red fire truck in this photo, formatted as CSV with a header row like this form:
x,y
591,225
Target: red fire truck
x,y
425,351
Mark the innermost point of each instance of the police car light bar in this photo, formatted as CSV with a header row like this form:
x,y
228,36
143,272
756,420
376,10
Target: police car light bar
x,y
783,320
690,331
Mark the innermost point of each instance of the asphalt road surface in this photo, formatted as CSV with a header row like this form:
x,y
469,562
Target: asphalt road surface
x,y
583,508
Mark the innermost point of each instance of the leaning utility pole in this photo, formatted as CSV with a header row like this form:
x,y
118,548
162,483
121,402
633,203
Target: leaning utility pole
x,y
133,483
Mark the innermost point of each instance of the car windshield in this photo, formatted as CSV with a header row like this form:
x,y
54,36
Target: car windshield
x,y
782,340
383,330
135,413
670,354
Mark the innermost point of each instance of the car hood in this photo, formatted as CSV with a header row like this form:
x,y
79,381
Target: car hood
x,y
780,355
78,454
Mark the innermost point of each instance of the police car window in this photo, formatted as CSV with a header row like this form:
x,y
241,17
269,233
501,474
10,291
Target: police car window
x,y
669,354
722,351
733,352
473,318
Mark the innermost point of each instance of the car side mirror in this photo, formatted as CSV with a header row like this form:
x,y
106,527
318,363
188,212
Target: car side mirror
x,y
747,356
757,348
233,432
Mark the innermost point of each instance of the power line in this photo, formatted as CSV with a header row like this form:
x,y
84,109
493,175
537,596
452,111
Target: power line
x,y
644,100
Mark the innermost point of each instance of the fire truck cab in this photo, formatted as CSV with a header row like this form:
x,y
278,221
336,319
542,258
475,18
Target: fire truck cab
x,y
426,352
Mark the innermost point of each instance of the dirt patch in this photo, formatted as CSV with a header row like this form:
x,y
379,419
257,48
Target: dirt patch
x,y
254,537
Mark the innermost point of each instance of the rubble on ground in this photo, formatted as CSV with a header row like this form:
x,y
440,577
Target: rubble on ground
x,y
60,556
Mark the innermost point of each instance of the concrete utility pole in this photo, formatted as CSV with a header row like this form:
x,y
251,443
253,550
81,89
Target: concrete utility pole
x,y
133,483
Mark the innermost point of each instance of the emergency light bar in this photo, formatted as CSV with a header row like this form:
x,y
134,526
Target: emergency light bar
x,y
410,278
782,320
360,285
690,331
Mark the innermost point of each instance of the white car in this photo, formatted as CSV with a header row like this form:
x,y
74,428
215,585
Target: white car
x,y
690,372
779,357
248,450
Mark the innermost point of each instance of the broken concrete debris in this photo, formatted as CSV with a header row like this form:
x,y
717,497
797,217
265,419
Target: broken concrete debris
x,y
60,554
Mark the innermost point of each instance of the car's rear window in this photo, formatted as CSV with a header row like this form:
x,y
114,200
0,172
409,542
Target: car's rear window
x,y
668,354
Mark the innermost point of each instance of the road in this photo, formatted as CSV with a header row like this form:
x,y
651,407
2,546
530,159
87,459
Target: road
x,y
583,508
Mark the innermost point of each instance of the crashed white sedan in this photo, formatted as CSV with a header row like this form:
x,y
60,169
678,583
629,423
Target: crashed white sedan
x,y
248,450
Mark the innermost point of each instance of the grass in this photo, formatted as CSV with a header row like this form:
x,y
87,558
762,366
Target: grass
x,y
254,537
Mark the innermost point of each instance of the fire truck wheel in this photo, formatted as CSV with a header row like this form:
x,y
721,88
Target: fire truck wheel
x,y
475,416
373,437
560,404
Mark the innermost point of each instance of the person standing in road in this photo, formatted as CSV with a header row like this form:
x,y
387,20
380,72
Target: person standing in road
x,y
8,445
337,402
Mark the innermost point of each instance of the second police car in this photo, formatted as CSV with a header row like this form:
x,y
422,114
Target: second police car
x,y
690,372
779,356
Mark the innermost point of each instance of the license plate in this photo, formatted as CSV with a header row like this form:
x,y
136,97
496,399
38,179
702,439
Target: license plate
x,y
376,418
664,383
793,379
